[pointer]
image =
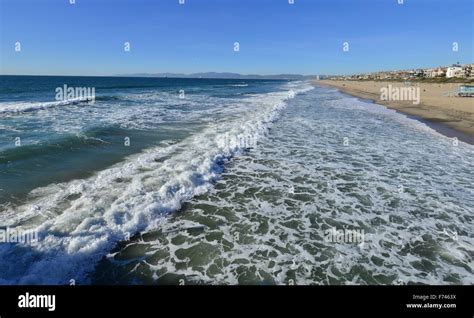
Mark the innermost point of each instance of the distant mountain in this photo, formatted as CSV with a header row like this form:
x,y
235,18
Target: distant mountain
x,y
222,75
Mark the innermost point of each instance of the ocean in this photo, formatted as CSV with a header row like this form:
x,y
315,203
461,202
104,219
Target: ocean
x,y
223,181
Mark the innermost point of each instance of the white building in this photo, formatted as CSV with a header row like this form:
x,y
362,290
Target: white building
x,y
454,71
430,72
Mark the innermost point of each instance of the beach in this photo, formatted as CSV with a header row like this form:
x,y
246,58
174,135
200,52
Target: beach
x,y
449,115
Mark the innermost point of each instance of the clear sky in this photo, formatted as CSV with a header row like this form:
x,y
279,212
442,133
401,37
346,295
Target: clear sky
x,y
87,38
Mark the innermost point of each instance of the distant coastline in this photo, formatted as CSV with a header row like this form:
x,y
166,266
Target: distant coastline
x,y
221,75
207,75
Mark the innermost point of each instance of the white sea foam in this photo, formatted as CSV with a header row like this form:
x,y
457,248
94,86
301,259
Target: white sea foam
x,y
79,221
265,220
17,107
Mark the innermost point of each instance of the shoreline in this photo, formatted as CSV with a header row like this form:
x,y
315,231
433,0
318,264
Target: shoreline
x,y
449,116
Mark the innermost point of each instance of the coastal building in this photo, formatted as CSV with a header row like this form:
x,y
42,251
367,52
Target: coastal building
x,y
440,72
454,71
434,72
429,73
418,73
468,71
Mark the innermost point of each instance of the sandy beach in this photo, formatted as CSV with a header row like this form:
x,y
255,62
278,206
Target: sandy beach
x,y
450,115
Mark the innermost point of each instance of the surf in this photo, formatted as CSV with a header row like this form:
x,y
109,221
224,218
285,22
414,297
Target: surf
x,y
81,220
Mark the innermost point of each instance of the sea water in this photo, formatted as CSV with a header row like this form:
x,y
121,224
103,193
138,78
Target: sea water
x,y
213,181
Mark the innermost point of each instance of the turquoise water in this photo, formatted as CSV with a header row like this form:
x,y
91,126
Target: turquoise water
x,y
74,140
236,183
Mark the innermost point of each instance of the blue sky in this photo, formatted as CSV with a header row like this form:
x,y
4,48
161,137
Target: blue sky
x,y
87,38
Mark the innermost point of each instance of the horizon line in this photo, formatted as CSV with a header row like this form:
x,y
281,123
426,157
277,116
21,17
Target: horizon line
x,y
189,75
140,75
